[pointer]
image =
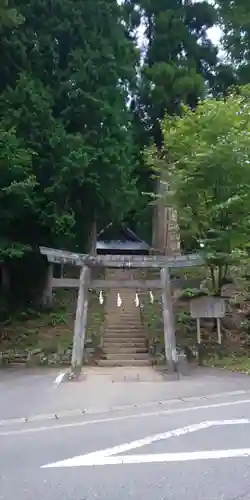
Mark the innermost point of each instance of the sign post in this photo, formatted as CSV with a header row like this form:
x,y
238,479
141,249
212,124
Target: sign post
x,y
208,307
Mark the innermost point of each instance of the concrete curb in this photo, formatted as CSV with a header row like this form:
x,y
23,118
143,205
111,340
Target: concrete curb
x,y
96,411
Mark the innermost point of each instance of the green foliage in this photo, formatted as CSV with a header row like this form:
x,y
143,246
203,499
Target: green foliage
x,y
191,293
207,168
235,22
57,319
66,146
17,184
9,17
235,19
178,57
236,362
183,318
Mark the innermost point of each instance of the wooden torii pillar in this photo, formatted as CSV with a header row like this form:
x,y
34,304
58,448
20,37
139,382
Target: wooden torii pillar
x,y
80,326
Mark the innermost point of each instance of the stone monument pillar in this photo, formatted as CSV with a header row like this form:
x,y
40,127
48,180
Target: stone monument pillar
x,y
166,233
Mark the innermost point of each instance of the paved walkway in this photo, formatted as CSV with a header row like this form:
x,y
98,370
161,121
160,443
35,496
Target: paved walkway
x,y
25,392
121,374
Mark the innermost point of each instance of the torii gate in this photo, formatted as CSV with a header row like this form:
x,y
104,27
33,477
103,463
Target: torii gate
x,y
87,262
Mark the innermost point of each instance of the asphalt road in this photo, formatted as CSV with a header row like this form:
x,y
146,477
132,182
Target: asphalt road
x,y
197,450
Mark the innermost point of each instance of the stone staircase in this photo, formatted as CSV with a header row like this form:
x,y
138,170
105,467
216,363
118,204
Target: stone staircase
x,y
124,342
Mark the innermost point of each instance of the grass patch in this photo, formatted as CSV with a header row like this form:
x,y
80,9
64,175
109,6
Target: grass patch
x,y
234,362
50,331
47,333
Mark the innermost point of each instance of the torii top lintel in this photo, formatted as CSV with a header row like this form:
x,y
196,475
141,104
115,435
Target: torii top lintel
x,y
121,261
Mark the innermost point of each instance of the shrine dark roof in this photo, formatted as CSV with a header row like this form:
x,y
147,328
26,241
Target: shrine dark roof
x,y
120,240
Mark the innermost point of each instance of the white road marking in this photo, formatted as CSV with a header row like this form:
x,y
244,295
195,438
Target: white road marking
x,y
107,456
121,418
156,458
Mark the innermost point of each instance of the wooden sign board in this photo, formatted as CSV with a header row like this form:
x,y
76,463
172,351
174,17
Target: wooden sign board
x,y
207,307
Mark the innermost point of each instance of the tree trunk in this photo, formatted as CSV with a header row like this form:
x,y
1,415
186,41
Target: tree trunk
x,y
47,296
5,285
92,238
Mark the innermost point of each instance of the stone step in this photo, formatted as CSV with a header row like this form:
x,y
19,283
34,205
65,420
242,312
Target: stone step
x,y
125,305
127,314
120,344
125,308
118,351
120,319
124,362
124,339
123,319
126,356
130,343
129,333
127,302
119,311
123,323
124,344
119,314
123,326
124,329
122,310
124,334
